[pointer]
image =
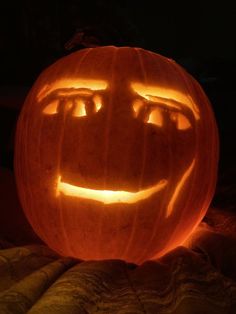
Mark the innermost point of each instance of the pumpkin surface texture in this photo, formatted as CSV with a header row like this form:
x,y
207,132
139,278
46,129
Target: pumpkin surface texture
x,y
116,154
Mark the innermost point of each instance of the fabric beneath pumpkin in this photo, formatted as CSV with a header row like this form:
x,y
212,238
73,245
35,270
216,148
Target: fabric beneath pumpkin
x,y
197,278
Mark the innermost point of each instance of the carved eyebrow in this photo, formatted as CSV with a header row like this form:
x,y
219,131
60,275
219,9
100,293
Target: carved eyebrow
x,y
70,92
75,85
73,91
166,97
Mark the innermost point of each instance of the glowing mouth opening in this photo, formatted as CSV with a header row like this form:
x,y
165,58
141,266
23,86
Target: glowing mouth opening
x,y
108,196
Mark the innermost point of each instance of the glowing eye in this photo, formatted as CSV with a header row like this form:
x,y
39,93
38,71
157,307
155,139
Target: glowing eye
x,y
182,123
146,113
97,99
79,108
155,117
51,108
137,105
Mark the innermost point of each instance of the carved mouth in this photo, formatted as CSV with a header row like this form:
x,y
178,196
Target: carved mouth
x,y
108,196
112,197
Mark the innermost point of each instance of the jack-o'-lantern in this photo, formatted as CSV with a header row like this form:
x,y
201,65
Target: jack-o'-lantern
x,y
116,154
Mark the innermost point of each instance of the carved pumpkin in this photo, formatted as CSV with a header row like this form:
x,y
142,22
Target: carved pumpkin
x,y
116,154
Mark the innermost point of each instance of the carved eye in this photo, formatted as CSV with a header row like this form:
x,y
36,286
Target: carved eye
x,y
156,117
51,108
79,106
182,122
137,105
146,113
97,99
159,114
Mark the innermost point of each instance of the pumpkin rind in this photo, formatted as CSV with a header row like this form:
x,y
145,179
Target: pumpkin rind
x,y
117,150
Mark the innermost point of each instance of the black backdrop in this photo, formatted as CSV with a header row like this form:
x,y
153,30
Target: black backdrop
x,y
201,37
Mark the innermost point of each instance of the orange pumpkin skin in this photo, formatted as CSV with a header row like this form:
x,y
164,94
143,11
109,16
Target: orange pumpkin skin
x,y
116,154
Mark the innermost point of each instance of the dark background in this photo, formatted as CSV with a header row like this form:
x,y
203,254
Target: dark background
x,y
201,37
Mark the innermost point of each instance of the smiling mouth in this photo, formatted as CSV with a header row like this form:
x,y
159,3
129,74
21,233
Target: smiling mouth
x,y
108,196
111,197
